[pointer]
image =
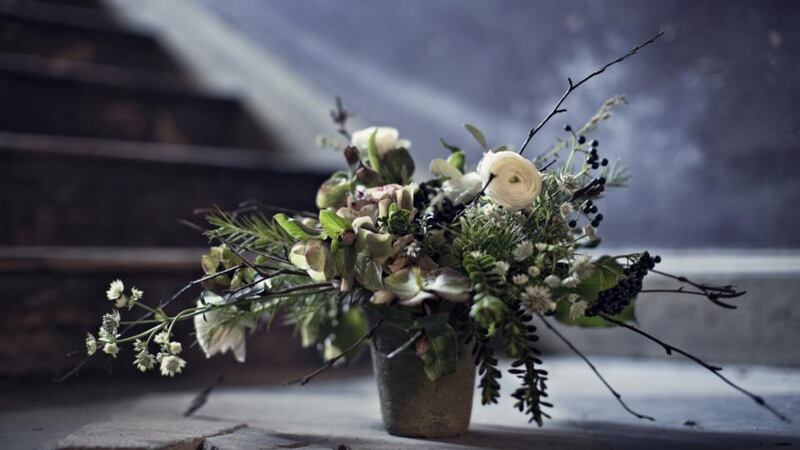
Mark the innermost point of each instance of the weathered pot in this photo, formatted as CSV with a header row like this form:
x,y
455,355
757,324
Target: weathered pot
x,y
411,404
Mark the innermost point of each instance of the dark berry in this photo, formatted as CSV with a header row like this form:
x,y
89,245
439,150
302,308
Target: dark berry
x,y
593,152
657,259
589,203
601,188
572,224
599,217
601,180
589,160
593,209
587,209
567,128
595,166
595,223
581,140
604,162
595,143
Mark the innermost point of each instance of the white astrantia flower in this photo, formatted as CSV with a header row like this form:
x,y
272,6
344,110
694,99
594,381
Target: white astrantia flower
x,y
572,298
115,290
552,281
501,268
387,138
171,364
582,267
590,232
161,338
578,309
520,279
175,347
537,299
110,324
516,181
144,361
534,271
523,250
111,348
565,209
136,295
570,282
139,345
91,344
569,184
223,329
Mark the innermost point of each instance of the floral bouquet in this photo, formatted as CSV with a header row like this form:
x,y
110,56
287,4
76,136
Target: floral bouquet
x,y
438,275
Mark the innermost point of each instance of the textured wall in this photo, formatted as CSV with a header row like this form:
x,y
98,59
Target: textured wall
x,y
712,132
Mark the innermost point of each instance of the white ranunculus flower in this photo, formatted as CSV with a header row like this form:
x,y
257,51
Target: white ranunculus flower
x,y
386,139
517,182
223,329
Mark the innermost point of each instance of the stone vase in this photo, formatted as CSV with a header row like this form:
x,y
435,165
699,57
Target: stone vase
x,y
411,404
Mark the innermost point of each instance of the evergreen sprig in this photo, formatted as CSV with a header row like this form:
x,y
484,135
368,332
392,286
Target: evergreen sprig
x,y
487,367
520,345
254,231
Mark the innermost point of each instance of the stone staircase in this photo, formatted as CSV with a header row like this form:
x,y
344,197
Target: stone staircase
x,y
105,142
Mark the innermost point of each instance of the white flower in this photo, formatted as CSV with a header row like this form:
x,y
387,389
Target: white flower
x,y
171,364
139,345
91,344
111,349
590,232
144,361
222,329
516,182
534,271
385,139
565,209
537,299
570,282
569,185
552,281
572,298
582,267
175,347
520,279
523,250
136,295
542,247
458,188
578,309
110,324
501,268
161,338
115,290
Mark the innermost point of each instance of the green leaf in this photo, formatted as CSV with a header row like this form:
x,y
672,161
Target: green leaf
x,y
442,356
405,283
605,276
450,285
476,133
562,315
344,260
350,327
332,223
296,229
368,273
372,152
397,166
452,148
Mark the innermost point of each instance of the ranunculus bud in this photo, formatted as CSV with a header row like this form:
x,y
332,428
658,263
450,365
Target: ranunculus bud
x,y
516,183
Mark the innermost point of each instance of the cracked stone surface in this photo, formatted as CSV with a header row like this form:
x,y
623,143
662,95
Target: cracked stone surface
x,y
693,410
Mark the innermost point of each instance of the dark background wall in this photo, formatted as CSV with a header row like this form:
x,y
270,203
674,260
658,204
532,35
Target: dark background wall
x,y
712,132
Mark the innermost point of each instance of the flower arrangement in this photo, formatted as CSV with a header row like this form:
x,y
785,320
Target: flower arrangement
x,y
469,259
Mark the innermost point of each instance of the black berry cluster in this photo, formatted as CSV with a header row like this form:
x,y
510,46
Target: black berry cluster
x,y
613,301
427,190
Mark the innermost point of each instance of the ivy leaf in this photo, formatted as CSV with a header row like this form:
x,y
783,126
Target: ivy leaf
x,y
442,356
332,223
477,134
296,229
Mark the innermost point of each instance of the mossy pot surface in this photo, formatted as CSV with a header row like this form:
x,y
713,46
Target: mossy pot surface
x,y
412,405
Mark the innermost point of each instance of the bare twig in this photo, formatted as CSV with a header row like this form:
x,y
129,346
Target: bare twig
x,y
712,292
594,369
572,86
405,345
201,398
713,369
340,116
328,364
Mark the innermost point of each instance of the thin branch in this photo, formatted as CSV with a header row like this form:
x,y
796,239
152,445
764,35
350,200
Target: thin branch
x,y
328,364
201,398
711,292
713,369
594,369
405,345
340,116
572,86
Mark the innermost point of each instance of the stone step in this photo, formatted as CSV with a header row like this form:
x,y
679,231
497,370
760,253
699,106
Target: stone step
x,y
80,34
70,191
105,105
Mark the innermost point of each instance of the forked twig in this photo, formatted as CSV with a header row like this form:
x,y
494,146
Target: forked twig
x,y
713,369
616,394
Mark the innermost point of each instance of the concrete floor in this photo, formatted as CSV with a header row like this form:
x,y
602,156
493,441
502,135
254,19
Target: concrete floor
x,y
692,408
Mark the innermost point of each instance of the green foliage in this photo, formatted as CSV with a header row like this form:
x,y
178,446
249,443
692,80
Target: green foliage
x,y
332,224
372,152
496,236
441,356
478,135
606,275
397,166
487,368
398,220
296,229
253,231
520,337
